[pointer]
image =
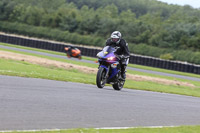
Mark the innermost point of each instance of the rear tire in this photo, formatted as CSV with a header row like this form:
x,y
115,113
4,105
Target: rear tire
x,y
79,57
119,85
101,79
68,55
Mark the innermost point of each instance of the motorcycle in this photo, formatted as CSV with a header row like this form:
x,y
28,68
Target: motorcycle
x,y
109,70
73,52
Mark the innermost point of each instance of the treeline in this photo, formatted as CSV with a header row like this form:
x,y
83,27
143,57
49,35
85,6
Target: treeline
x,y
143,23
52,34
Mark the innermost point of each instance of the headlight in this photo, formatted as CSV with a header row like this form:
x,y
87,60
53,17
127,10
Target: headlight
x,y
110,58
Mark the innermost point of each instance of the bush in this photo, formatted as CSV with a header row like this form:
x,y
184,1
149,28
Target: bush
x,y
56,34
166,56
53,34
186,55
148,50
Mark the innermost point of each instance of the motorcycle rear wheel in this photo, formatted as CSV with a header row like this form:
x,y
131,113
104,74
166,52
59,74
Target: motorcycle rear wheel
x,y
68,55
101,79
79,57
118,86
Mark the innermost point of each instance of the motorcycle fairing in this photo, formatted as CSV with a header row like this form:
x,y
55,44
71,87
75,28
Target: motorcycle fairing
x,y
106,53
114,71
104,67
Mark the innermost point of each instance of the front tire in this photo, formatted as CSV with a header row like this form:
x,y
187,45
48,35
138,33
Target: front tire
x,y
101,79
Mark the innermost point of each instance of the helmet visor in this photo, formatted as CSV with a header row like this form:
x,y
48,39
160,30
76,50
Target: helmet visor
x,y
115,39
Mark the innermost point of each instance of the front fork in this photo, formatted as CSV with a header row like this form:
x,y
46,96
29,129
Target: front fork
x,y
107,70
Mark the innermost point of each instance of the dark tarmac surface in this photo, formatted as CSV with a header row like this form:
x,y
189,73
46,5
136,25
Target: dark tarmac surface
x,y
28,104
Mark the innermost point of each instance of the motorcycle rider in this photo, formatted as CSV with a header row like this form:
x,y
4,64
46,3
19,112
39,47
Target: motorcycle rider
x,y
70,50
116,40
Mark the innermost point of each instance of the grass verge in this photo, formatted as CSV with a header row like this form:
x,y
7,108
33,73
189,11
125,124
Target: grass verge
x,y
24,69
92,65
94,59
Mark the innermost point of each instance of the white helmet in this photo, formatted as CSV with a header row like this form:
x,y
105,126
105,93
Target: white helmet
x,y
116,37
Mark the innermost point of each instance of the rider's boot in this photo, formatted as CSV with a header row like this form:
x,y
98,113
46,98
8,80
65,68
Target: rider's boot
x,y
123,72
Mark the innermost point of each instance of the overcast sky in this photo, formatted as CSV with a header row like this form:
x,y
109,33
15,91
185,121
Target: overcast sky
x,y
193,3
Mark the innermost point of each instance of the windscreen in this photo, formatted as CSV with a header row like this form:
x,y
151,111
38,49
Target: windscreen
x,y
108,49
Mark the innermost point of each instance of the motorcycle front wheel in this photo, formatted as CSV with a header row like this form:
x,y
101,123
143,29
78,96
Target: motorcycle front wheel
x,y
101,79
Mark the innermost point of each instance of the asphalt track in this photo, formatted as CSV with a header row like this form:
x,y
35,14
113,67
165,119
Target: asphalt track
x,y
31,104
87,61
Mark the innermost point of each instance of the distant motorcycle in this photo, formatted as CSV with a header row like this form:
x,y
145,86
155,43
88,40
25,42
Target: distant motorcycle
x,y
109,69
73,52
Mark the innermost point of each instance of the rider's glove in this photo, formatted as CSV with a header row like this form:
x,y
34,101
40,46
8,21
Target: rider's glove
x,y
122,56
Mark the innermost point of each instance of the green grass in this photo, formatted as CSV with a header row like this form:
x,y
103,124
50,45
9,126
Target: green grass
x,y
151,86
45,51
94,59
196,83
20,68
164,70
181,129
52,58
96,65
24,69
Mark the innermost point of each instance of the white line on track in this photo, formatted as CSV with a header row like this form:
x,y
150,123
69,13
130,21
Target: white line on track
x,y
8,131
